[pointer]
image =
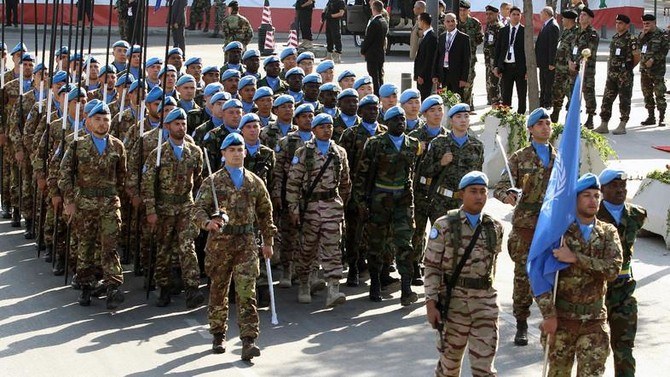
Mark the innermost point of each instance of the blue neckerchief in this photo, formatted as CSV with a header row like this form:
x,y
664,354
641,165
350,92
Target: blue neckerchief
x,y
305,135
473,219
460,140
434,131
313,103
209,112
323,146
283,127
100,144
135,71
154,124
586,229
110,97
27,84
264,120
172,93
297,96
411,123
256,75
370,127
236,175
177,149
234,66
94,86
134,112
253,148
233,130
151,84
72,122
273,82
616,210
186,105
542,151
57,106
120,66
330,111
247,107
349,120
397,140
45,94
218,122
381,113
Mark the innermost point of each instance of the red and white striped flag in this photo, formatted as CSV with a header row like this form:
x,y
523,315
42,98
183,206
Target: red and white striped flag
x,y
269,40
267,14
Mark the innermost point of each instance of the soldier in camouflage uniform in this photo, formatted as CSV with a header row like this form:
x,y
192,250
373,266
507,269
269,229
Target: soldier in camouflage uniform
x,y
473,28
236,27
263,100
272,78
232,113
654,44
410,100
624,55
219,17
621,304
575,320
587,37
167,195
283,108
563,77
319,207
472,314
206,112
91,178
531,168
493,26
347,107
231,247
387,166
199,10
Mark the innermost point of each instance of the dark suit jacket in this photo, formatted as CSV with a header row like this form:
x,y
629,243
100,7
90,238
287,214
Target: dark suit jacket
x,y
425,56
459,57
546,44
502,45
374,44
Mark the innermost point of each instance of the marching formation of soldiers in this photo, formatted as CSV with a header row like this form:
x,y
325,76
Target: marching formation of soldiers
x,y
186,171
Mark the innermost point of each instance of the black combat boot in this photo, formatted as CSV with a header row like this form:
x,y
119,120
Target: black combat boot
x,y
16,218
375,287
262,296
164,298
219,343
85,295
589,122
114,297
385,276
59,268
651,119
521,337
407,297
661,119
352,276
176,282
416,275
194,297
29,233
249,349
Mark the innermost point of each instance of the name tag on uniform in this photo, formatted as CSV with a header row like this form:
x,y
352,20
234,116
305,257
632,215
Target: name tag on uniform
x,y
574,50
617,52
490,38
644,49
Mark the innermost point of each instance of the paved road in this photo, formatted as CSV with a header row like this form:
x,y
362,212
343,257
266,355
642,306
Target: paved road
x,y
44,332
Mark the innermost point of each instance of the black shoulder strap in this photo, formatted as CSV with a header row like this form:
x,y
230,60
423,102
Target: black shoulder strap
x,y
312,187
466,255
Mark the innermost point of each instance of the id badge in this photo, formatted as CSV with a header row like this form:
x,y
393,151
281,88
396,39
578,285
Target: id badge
x,y
617,52
574,50
644,49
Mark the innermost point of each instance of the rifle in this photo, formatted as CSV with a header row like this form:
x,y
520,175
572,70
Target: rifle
x,y
513,189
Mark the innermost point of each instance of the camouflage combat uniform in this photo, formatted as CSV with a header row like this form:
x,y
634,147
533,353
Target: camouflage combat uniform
x,y
236,27
653,45
586,38
219,14
200,11
271,134
562,78
492,82
472,317
339,126
473,28
619,76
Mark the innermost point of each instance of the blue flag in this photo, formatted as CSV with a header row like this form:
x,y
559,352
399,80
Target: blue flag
x,y
157,6
560,203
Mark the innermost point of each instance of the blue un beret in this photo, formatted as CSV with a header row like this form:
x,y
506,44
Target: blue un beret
x,y
370,99
232,139
76,93
264,91
233,104
125,79
393,112
230,73
153,61
349,92
473,178
66,88
304,108
107,69
246,81
312,78
536,115
365,80
270,59
346,73
587,181
322,118
28,58
136,84
90,60
167,68
251,53
20,47
38,68
135,50
193,60
431,101
64,50
295,71
100,108
186,78
59,77
248,118
330,87
233,45
219,96
176,113
609,174
212,89
409,94
75,57
210,68
154,94
324,66
175,50
282,99
307,55
458,108
285,53
387,90
90,105
121,43
169,101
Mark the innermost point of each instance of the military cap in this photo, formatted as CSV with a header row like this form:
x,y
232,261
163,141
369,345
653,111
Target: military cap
x,y
282,99
154,94
458,108
365,80
169,101
295,71
136,84
493,9
409,94
209,68
136,49
251,53
387,90
100,108
248,118
322,118
193,60
233,46
304,108
344,74
623,18
212,88
610,174
75,57
233,4
430,101
186,78
153,61
307,55
570,14
28,58
230,74
90,105
219,96
76,93
536,115
324,66
90,60
330,87
175,51
66,88
121,43
174,114
125,79
263,92
587,181
64,50
464,4
38,68
232,139
285,53
233,104
59,77
269,60
20,47
370,99
473,178
107,69
393,112
167,68
648,17
312,78
246,81
349,92
587,11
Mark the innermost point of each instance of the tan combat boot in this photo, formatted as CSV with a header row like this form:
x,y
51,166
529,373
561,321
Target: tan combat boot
x,y
336,58
335,297
603,128
621,129
316,284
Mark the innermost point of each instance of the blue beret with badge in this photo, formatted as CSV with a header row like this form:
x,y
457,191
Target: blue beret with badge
x,y
232,139
136,84
66,88
304,108
90,60
38,68
294,71
185,79
167,68
610,174
125,79
248,118
365,80
587,181
282,99
75,57
169,101
251,53
175,51
20,47
344,74
536,115
307,55
430,101
234,45
349,92
324,66
219,96
269,60
176,113
393,112
154,61
107,69
387,90
246,81
135,50
230,74
76,93
409,94
90,105
121,43
322,118
193,60
262,92
212,89
64,50
289,51
370,99
59,77
209,69
232,104
458,108
155,94
312,78
100,108
330,87
473,178
28,58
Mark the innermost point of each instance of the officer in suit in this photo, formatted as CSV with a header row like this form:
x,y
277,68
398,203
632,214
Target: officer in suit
x,y
425,55
452,65
545,54
373,46
511,60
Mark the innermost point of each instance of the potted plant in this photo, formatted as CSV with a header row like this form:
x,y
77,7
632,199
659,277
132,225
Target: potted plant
x,y
652,195
449,99
595,149
510,126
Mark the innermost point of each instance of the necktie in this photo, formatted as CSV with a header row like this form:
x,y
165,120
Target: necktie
x,y
446,51
511,44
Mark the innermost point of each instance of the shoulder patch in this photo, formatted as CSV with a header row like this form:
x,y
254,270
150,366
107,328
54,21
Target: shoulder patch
x,y
295,160
433,233
277,148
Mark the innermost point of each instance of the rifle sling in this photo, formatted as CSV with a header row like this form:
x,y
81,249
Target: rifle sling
x,y
459,267
312,187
